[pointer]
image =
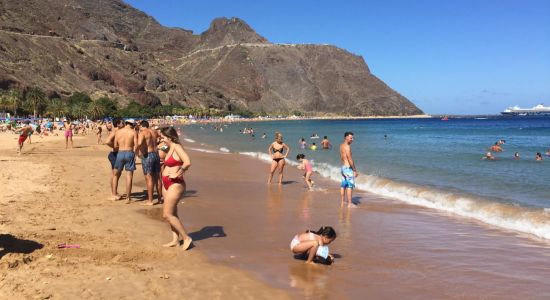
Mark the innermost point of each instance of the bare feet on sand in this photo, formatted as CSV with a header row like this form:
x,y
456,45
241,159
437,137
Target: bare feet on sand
x,y
148,203
186,243
172,244
115,197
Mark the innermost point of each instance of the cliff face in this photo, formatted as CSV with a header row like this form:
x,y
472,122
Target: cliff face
x,y
107,48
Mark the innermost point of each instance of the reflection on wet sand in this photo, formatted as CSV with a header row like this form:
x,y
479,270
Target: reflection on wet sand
x,y
306,209
274,203
313,280
344,226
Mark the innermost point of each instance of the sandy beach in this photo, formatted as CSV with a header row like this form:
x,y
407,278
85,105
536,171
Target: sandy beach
x,y
241,230
51,196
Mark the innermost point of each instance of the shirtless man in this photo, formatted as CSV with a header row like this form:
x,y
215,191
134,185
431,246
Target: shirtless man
x,y
126,143
496,147
150,160
326,143
349,172
110,141
24,132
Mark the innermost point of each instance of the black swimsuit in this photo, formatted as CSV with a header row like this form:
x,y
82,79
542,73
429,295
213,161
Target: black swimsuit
x,y
280,151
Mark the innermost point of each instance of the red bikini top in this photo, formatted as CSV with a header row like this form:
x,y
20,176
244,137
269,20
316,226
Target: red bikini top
x,y
172,162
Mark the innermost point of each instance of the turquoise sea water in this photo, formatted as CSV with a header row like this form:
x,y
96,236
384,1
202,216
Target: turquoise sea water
x,y
426,162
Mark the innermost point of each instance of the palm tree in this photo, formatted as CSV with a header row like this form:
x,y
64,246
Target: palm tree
x,y
3,104
56,108
35,99
14,99
96,110
78,110
10,100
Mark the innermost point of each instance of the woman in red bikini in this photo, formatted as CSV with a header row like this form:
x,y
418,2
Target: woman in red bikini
x,y
175,165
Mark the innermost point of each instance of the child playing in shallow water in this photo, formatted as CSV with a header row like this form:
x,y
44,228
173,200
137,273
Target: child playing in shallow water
x,y
306,165
310,242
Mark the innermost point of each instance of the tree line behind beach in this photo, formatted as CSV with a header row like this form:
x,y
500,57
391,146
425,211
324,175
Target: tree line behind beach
x,y
35,102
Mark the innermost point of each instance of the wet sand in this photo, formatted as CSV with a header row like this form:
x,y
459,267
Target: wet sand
x,y
242,229
387,249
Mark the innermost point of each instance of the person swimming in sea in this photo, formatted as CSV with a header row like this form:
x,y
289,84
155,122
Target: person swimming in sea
x,y
303,143
516,155
325,143
306,166
538,156
313,244
496,147
313,147
488,156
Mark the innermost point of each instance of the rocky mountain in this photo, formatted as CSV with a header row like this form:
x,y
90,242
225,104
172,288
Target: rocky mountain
x,y
107,48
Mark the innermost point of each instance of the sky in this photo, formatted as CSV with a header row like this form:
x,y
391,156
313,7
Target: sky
x,y
447,57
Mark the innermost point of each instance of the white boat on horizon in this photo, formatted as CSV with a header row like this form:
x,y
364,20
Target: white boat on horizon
x,y
538,110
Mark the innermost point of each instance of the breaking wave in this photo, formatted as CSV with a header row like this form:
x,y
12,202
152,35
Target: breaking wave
x,y
522,219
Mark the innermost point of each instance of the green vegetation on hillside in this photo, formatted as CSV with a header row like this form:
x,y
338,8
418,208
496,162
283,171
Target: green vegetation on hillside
x,y
35,102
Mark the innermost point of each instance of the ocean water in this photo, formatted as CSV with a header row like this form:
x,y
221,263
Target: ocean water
x,y
427,162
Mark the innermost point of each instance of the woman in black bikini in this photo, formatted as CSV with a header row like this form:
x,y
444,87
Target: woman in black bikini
x,y
278,151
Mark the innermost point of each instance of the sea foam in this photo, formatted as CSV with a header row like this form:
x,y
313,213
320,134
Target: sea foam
x,y
511,217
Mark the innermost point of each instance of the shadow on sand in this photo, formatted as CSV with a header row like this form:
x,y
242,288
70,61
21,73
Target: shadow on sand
x,y
208,232
11,244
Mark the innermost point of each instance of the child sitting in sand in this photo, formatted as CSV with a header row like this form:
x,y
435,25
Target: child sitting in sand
x,y
306,165
313,244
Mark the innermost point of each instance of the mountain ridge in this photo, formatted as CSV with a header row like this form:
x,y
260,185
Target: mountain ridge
x,y
117,51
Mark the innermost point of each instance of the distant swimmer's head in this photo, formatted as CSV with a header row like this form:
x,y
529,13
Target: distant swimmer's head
x,y
325,137
278,137
170,134
27,122
300,156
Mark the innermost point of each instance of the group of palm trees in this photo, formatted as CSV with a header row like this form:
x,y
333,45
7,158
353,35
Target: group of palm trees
x,y
79,105
35,101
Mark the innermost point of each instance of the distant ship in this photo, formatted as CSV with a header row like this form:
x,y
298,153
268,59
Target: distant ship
x,y
539,110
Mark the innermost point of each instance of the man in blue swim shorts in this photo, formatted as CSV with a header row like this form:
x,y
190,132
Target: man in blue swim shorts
x,y
150,160
349,172
126,143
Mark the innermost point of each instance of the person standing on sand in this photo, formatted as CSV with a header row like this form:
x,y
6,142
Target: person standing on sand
x,y
175,165
68,133
126,143
150,160
23,135
162,150
99,133
349,172
277,151
112,155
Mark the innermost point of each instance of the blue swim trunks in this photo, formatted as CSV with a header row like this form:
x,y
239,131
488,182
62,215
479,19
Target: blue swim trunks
x,y
126,160
112,158
348,179
151,163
